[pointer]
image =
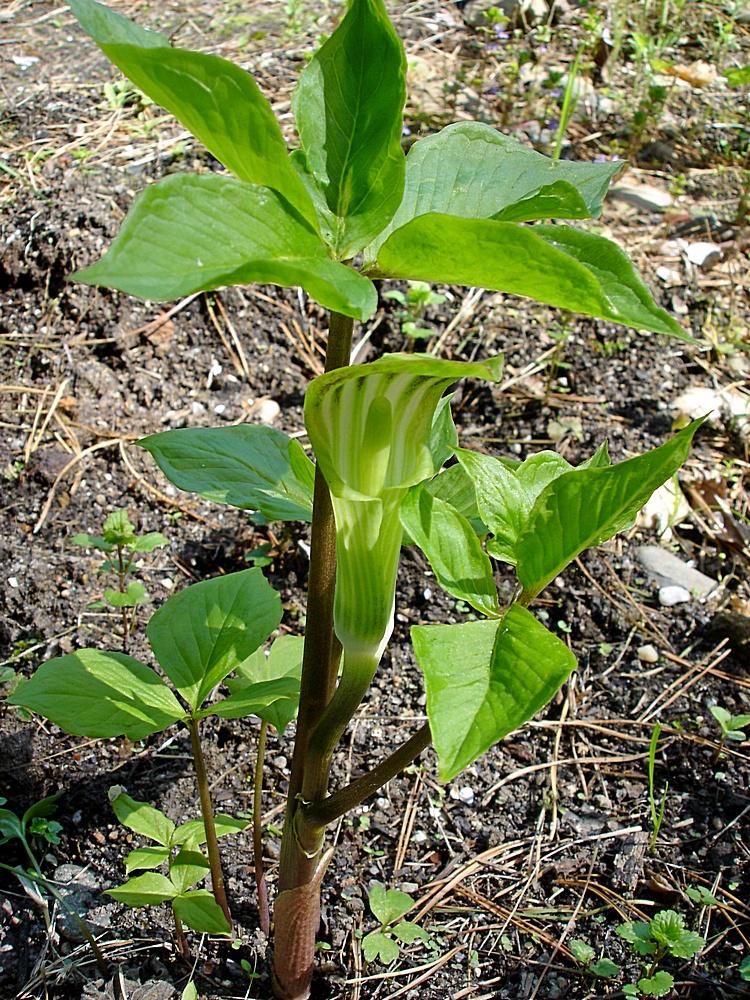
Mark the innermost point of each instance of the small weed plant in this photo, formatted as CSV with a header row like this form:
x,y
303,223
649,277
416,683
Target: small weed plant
x,y
657,812
414,301
389,907
601,968
179,848
344,209
732,727
665,935
121,545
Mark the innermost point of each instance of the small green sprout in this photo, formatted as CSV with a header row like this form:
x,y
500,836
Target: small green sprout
x,y
601,968
388,906
701,895
731,727
120,542
664,935
656,815
745,969
418,297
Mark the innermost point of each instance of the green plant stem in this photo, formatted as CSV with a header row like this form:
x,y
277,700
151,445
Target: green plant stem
x,y
351,689
181,941
260,879
212,843
295,929
322,649
340,802
37,877
121,572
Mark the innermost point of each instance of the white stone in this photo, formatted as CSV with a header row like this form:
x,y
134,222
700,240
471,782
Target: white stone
x,y
651,199
663,510
268,410
13,582
671,595
704,255
648,654
466,795
671,571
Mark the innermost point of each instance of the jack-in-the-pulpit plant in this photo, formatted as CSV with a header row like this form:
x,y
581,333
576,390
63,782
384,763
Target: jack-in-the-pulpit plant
x,y
342,209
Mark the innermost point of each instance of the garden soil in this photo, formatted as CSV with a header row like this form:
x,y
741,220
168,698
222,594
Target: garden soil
x,y
544,841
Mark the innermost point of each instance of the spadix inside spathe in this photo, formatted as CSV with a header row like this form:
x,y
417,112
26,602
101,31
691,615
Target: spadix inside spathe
x,y
370,430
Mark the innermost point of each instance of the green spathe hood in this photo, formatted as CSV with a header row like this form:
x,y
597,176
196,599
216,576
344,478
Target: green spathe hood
x,y
369,426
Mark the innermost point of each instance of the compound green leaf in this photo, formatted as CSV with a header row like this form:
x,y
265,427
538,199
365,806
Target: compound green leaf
x,y
284,660
141,818
348,106
134,595
214,99
150,541
256,699
505,496
146,857
484,679
203,633
188,868
199,910
190,233
455,487
585,507
144,890
628,296
96,693
564,267
738,77
250,466
450,543
473,171
194,832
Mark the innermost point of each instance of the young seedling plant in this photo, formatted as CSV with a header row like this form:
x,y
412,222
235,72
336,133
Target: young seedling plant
x,y
418,296
343,209
732,727
389,907
121,545
198,637
665,934
179,848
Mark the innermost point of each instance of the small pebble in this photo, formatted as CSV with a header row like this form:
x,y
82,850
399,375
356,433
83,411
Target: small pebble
x,y
409,887
280,761
669,596
13,582
268,410
466,795
704,255
648,654
427,593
